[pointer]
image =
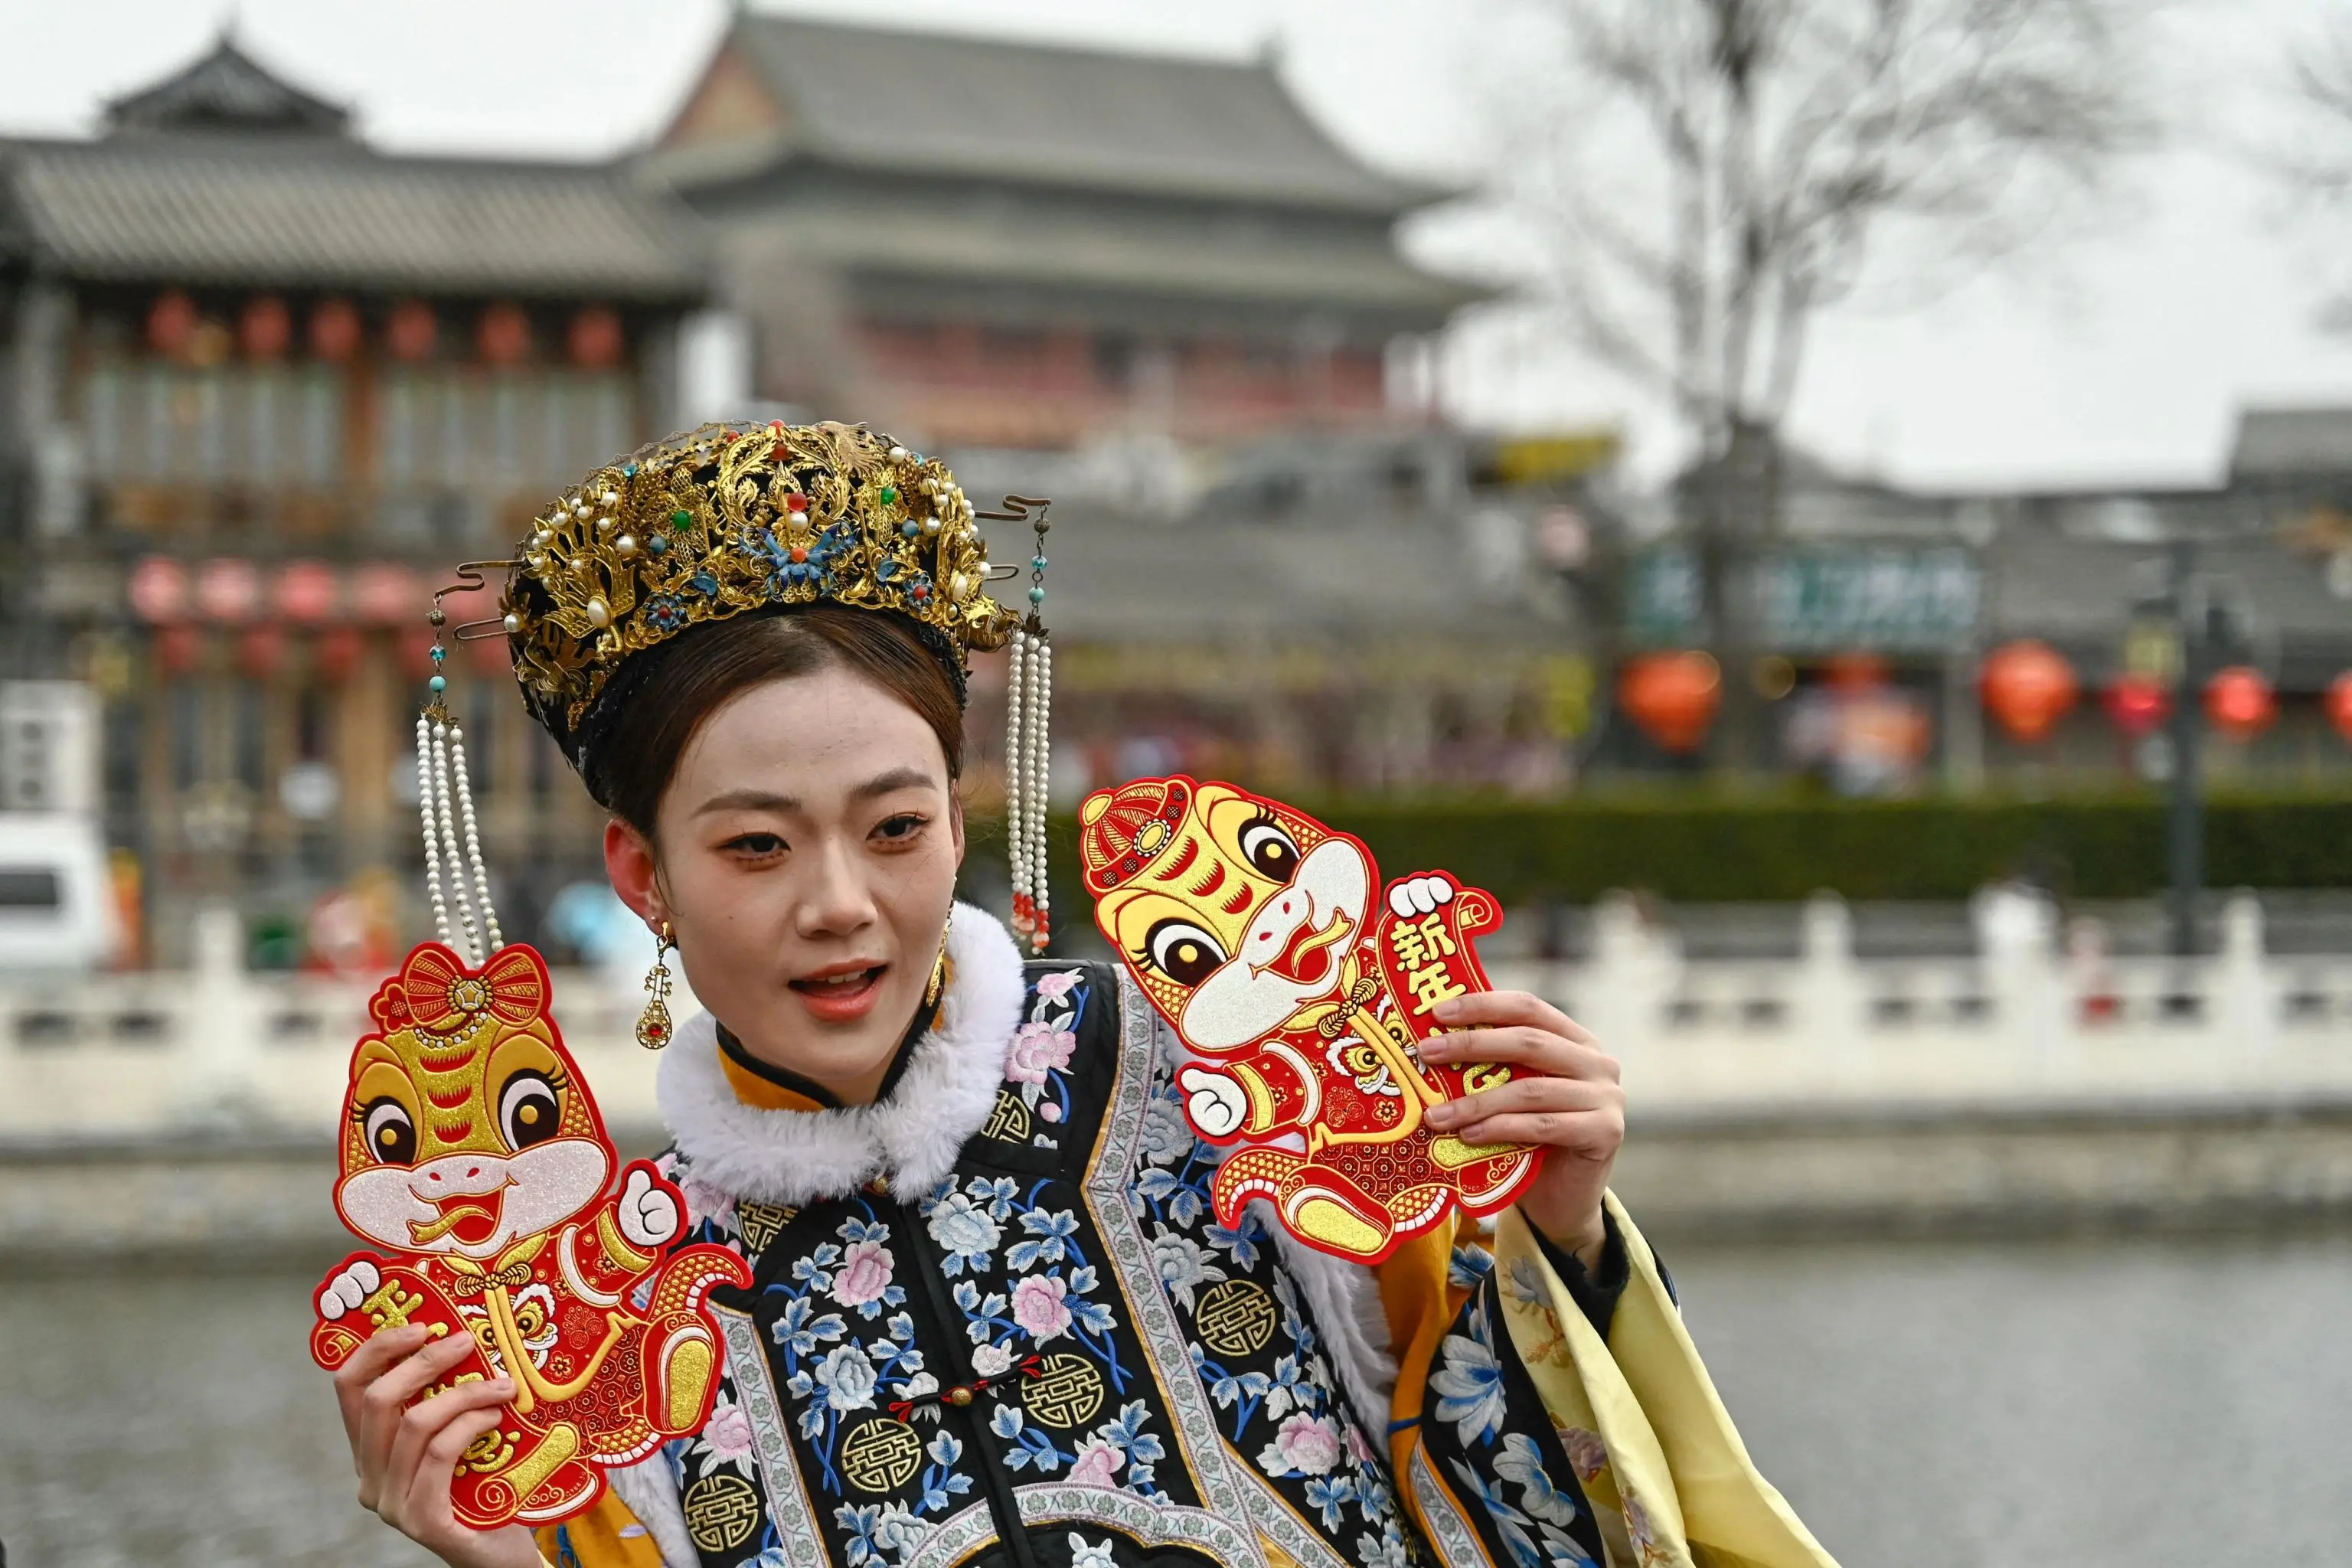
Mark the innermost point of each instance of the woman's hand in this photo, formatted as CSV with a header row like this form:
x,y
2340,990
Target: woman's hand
x,y
1563,1094
407,1456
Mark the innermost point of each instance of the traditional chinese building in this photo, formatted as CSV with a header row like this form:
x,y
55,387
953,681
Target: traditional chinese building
x,y
985,245
263,380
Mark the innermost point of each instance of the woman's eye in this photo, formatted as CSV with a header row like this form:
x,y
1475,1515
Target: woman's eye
x,y
758,844
899,826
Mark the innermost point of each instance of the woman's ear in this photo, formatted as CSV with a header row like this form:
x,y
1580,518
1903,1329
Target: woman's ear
x,y
629,863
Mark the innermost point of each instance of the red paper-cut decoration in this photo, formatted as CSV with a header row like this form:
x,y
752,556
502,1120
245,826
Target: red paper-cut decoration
x,y
261,650
412,332
2028,686
179,647
265,328
504,335
1671,696
2139,703
171,324
1305,989
335,654
335,331
597,339
473,1153
2239,702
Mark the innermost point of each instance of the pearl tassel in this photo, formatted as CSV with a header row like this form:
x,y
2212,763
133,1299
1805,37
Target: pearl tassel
x,y
1016,843
1041,697
454,867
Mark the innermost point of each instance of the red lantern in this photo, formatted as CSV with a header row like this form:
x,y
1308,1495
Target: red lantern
x,y
2239,702
2028,686
412,332
178,647
334,331
336,653
307,592
159,590
2139,703
229,591
265,328
1671,696
596,340
2338,703
504,335
171,324
387,595
261,650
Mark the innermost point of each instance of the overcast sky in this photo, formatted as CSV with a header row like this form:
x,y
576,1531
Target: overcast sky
x,y
2119,358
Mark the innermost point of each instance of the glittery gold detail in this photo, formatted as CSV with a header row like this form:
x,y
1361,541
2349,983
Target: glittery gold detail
x,y
726,519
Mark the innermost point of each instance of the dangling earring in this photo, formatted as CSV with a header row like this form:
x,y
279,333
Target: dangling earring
x,y
653,1024
938,968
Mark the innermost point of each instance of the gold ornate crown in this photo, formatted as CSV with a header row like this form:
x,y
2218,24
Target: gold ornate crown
x,y
726,519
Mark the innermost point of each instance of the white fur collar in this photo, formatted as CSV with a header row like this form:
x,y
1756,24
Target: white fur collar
x,y
909,1140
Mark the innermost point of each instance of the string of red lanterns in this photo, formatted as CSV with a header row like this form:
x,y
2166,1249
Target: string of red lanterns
x,y
177,329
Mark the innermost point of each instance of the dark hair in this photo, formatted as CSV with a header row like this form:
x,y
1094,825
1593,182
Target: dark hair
x,y
635,746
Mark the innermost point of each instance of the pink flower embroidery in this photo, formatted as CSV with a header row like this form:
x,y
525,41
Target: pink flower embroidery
x,y
1097,1465
1038,1050
1050,1111
728,1430
1308,1444
864,1275
1585,1451
1053,987
705,1201
1037,1307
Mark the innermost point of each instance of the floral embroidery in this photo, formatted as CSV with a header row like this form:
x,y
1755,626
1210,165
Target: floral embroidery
x,y
1470,1382
1084,1553
1036,1063
835,1371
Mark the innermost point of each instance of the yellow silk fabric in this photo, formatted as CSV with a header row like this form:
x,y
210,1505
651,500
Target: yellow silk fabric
x,y
1670,1480
607,1536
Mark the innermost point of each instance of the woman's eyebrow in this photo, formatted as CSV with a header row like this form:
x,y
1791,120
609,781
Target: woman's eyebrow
x,y
747,800
896,779
750,799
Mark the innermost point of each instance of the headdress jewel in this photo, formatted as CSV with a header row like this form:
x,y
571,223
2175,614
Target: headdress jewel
x,y
730,519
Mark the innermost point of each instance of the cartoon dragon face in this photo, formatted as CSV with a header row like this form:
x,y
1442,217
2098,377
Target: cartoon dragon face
x,y
465,1123
1234,910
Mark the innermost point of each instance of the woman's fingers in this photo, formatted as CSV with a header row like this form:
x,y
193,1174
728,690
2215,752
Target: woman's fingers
x,y
416,1490
384,1406
1497,1008
1542,1050
431,1436
1526,1095
1595,1135
370,1361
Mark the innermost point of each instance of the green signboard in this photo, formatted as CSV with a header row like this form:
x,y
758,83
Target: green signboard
x,y
1879,598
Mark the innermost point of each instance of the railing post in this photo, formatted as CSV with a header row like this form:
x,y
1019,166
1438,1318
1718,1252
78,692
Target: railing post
x,y
224,1031
2246,1002
1829,981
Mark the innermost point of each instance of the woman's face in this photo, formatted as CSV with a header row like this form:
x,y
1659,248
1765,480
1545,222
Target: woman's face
x,y
807,849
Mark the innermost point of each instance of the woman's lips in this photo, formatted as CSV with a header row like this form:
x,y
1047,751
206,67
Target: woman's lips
x,y
841,995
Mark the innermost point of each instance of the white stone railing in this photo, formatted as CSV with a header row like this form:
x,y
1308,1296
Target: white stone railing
x,y
2018,1024
217,1053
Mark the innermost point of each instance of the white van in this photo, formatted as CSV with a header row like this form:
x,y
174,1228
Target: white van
x,y
56,905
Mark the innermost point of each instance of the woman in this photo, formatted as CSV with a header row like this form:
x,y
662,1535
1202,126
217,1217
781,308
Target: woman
x,y
974,1335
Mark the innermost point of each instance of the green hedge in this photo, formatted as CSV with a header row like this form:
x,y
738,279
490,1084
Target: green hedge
x,y
1720,850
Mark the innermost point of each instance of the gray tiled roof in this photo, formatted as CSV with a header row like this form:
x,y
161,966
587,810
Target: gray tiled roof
x,y
916,103
2292,442
324,212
